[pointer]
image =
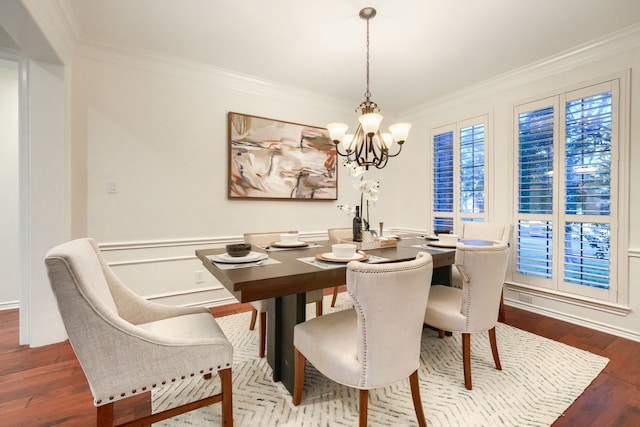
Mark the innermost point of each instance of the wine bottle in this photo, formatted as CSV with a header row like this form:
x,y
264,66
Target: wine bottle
x,y
357,226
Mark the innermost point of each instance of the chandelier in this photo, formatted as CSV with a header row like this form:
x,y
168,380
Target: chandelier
x,y
368,146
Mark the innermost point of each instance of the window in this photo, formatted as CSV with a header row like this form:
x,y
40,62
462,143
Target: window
x,y
459,173
566,183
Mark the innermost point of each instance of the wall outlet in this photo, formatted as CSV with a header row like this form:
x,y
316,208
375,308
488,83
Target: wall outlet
x,y
199,276
525,298
112,186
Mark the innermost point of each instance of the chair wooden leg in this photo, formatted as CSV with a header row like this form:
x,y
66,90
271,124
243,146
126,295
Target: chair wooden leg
x,y
318,308
254,317
494,348
263,332
298,375
466,359
417,401
334,297
501,315
104,415
440,333
364,406
227,397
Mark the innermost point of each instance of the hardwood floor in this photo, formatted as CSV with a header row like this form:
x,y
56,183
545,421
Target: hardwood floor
x,y
45,386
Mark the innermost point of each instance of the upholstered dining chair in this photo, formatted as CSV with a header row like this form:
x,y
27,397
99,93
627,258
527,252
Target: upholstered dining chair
x,y
126,345
492,231
335,235
260,307
474,307
371,345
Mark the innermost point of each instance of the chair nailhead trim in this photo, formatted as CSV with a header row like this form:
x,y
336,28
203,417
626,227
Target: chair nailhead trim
x,y
144,388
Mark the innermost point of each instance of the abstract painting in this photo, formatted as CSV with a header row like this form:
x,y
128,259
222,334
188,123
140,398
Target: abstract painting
x,y
273,159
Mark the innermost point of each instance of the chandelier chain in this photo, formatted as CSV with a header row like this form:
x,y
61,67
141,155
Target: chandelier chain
x,y
367,94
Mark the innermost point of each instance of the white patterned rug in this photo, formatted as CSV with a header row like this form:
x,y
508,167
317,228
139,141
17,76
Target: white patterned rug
x,y
539,380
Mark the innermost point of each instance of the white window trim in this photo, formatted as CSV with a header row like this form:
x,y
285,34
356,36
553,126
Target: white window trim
x,y
455,127
616,302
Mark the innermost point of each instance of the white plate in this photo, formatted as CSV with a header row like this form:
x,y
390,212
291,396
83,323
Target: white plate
x,y
228,259
298,244
329,256
442,245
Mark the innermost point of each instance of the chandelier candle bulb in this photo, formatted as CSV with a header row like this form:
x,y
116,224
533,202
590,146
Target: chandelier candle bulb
x,y
400,131
370,123
337,131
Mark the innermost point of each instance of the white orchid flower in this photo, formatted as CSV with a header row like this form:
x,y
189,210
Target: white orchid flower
x,y
354,170
371,195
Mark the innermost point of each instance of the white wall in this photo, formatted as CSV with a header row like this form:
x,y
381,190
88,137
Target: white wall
x,y
9,184
46,195
497,98
159,129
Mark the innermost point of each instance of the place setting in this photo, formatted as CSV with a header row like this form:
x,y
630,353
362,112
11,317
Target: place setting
x,y
240,255
341,253
445,241
288,241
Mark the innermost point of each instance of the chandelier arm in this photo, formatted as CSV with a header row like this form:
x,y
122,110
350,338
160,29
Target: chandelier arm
x,y
394,155
337,144
382,164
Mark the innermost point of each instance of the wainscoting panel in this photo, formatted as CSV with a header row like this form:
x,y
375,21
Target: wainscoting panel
x,y
168,271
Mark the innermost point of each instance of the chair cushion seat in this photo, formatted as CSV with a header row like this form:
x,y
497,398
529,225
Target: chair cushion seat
x,y
190,326
330,343
443,309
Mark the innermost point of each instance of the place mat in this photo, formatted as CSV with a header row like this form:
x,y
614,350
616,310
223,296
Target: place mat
x,y
329,257
270,248
433,248
312,260
260,263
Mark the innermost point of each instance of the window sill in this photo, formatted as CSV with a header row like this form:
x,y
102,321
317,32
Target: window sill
x,y
604,306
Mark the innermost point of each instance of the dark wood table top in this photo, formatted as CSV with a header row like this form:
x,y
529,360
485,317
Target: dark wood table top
x,y
291,276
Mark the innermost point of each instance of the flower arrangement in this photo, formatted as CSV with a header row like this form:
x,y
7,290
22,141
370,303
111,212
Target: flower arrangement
x,y
368,192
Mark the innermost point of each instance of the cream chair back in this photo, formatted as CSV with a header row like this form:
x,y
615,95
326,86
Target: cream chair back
x,y
492,231
483,270
337,234
264,238
390,302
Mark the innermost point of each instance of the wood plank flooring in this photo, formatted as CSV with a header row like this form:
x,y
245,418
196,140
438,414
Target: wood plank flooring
x,y
45,386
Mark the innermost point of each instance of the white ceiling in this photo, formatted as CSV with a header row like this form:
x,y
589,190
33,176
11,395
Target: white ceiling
x,y
420,49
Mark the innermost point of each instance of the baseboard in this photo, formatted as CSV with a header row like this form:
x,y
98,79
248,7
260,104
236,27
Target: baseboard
x,y
9,305
576,320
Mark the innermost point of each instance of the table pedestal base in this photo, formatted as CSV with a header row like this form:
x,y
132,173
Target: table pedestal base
x,y
283,314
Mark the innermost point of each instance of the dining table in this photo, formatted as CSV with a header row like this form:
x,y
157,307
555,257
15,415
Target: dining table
x,y
288,273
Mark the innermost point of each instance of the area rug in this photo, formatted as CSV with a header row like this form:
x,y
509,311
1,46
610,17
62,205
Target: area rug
x,y
539,380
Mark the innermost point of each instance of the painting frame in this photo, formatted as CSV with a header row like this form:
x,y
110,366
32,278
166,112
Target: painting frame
x,y
271,159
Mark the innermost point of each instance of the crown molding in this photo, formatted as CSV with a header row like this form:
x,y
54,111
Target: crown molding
x,y
611,44
156,62
58,23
